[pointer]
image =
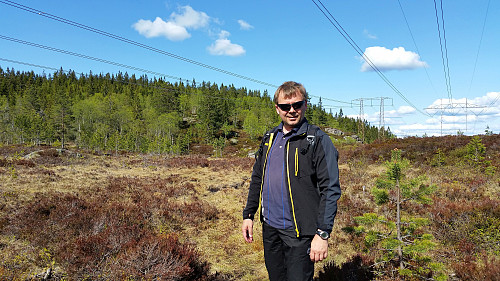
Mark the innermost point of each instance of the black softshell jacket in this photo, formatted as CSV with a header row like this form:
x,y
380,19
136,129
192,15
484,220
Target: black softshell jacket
x,y
312,179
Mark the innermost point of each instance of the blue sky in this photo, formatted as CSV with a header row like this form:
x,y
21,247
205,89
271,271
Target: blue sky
x,y
277,41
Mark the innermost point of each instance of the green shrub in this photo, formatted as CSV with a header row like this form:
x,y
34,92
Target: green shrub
x,y
397,239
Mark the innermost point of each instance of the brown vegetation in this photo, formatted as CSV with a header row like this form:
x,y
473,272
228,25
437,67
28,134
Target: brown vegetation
x,y
147,217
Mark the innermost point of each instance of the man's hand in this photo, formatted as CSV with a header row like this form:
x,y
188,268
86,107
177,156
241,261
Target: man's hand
x,y
247,230
319,249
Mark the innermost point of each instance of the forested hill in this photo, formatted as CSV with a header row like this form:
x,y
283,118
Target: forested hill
x,y
111,112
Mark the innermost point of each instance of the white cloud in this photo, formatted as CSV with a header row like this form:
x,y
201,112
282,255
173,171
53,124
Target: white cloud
x,y
470,116
406,109
224,47
395,59
224,34
175,28
417,126
369,35
364,117
391,117
244,25
161,28
402,110
413,129
488,104
190,18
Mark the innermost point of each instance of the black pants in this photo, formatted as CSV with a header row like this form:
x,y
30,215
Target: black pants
x,y
286,256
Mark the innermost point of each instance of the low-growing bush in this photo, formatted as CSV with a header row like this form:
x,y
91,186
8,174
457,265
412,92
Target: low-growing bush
x,y
476,222
198,212
113,233
223,164
357,268
478,267
160,257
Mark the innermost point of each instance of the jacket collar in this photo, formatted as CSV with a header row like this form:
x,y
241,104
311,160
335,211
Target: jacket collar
x,y
302,127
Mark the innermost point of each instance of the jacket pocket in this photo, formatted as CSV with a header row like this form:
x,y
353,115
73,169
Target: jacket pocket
x,y
302,160
304,166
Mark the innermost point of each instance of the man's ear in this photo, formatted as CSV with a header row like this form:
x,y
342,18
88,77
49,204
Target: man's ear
x,y
277,109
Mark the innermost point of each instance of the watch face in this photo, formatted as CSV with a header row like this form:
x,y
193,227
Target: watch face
x,y
323,234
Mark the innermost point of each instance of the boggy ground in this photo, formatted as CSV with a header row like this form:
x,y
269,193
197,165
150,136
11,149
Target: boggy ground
x,y
57,205
73,215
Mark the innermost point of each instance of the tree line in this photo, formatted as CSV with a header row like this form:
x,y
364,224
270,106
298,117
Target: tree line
x,y
106,112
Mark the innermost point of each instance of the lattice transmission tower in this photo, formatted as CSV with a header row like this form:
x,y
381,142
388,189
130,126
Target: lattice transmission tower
x,y
361,125
453,106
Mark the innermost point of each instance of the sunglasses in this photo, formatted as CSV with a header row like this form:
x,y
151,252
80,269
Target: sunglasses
x,y
295,105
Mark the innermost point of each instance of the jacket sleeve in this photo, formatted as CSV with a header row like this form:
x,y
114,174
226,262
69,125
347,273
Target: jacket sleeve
x,y
255,184
327,171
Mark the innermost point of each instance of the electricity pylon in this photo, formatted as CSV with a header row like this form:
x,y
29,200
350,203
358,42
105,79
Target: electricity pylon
x,y
453,106
381,124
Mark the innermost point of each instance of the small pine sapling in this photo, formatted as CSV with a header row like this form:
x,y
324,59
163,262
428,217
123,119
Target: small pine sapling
x,y
476,156
396,237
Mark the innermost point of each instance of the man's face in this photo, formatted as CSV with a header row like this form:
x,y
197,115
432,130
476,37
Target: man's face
x,y
293,116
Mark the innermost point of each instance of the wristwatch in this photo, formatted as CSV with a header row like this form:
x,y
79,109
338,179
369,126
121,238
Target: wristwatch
x,y
323,234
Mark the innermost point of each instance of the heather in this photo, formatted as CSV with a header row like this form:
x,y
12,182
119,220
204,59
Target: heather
x,y
75,214
117,177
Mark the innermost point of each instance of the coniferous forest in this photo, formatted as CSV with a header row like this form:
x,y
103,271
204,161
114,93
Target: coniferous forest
x,y
136,193
118,112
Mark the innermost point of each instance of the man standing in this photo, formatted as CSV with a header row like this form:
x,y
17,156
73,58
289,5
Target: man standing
x,y
294,187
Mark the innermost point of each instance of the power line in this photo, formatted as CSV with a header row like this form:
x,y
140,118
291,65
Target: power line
x,y
415,43
356,48
88,57
446,49
351,105
479,47
123,82
334,100
115,63
135,43
444,53
30,64
131,42
490,105
451,107
381,112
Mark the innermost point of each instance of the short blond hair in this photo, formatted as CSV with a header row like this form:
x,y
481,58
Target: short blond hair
x,y
290,89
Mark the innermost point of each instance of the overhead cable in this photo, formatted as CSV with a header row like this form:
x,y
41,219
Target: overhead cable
x,y
415,43
114,63
444,53
123,82
135,43
479,47
334,100
131,42
29,64
89,57
358,50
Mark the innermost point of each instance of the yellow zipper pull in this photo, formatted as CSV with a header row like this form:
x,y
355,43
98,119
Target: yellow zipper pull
x,y
296,161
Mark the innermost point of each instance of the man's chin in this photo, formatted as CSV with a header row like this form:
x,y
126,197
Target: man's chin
x,y
292,123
